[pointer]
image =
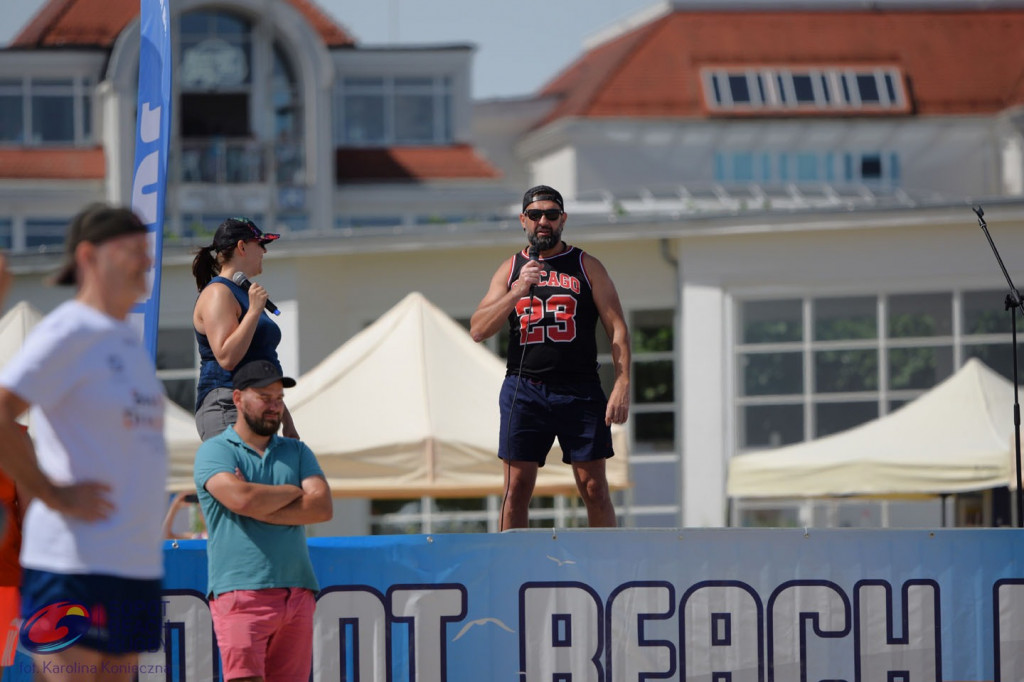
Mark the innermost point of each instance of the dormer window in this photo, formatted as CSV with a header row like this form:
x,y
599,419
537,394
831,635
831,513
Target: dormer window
x,y
799,89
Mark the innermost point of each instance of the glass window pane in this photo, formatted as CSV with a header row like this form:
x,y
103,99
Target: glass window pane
x,y
769,426
896,404
407,506
182,392
364,82
868,87
414,83
86,104
12,124
806,167
985,313
870,167
772,373
364,119
920,315
769,518
653,382
655,483
842,318
461,504
6,233
53,118
446,119
227,24
835,417
803,89
743,167
841,371
772,321
654,432
651,331
414,119
890,89
175,348
911,368
738,88
45,234
997,356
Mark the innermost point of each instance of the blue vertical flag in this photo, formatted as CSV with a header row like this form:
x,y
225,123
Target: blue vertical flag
x,y
149,184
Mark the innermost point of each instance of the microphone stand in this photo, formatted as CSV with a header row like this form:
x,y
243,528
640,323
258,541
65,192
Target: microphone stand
x,y
1012,302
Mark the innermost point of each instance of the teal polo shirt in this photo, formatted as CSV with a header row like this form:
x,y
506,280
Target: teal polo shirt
x,y
243,553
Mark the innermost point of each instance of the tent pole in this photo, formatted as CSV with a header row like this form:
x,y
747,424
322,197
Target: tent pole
x,y
1012,302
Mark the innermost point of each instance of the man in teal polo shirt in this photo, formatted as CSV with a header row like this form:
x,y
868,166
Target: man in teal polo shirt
x,y
257,491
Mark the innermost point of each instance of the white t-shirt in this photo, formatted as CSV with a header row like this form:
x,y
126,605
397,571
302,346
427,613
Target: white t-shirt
x,y
97,414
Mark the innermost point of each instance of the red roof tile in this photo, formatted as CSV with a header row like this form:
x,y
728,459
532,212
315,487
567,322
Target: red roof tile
x,y
53,164
954,62
92,23
411,163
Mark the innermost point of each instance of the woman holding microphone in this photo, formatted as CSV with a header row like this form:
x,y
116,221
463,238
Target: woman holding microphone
x,y
230,323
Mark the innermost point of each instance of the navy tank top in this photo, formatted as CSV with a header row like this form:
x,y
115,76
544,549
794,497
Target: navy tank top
x,y
263,347
557,326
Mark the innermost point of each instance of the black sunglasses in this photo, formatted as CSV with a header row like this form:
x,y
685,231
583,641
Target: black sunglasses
x,y
551,214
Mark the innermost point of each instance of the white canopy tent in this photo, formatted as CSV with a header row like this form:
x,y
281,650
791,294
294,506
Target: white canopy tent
x,y
179,427
957,437
409,407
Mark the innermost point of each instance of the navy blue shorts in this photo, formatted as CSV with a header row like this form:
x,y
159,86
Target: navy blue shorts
x,y
543,413
108,613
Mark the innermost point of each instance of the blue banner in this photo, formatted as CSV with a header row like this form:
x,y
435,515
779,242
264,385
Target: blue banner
x,y
149,184
746,605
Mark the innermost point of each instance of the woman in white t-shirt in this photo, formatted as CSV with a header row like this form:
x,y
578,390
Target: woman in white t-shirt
x,y
91,553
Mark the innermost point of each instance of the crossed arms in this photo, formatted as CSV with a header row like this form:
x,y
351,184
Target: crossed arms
x,y
282,505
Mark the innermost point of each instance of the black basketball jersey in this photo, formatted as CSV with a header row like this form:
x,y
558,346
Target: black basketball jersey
x,y
556,326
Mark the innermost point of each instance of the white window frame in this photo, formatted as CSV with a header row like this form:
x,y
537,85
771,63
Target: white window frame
x,y
780,90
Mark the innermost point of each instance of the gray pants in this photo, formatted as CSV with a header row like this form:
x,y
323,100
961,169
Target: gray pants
x,y
216,413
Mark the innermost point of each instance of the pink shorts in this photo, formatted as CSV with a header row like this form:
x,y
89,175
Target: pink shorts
x,y
265,633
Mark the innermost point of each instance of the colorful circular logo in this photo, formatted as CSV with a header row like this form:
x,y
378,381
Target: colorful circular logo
x,y
54,627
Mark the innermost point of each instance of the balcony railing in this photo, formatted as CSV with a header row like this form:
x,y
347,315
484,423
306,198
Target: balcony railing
x,y
239,161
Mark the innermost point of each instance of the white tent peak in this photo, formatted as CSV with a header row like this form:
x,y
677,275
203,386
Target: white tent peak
x,y
954,438
409,407
179,425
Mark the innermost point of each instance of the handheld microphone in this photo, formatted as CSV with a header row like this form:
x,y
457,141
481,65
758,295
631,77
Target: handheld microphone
x,y
534,253
241,280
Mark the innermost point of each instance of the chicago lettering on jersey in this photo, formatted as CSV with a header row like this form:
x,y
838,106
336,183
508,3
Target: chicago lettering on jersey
x,y
560,280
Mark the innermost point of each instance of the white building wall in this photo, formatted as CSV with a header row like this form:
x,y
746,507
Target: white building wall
x,y
704,395
558,169
935,251
951,155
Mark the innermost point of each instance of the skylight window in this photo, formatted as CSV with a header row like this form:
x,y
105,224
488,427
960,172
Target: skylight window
x,y
774,90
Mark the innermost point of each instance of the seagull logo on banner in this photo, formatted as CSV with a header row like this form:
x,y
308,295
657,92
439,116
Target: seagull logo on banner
x,y
560,562
481,621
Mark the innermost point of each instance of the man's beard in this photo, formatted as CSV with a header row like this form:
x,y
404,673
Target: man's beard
x,y
261,426
546,242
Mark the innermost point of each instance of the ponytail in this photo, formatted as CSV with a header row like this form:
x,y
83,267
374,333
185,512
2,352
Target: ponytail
x,y
205,266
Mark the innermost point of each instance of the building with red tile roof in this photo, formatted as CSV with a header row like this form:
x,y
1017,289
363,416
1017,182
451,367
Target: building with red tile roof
x,y
302,79
882,95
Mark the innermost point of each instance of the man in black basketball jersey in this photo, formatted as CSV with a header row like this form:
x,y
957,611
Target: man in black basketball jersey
x,y
552,295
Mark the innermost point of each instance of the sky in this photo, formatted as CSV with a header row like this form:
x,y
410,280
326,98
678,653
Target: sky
x,y
521,44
